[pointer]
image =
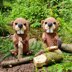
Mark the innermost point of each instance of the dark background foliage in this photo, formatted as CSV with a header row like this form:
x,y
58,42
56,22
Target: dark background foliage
x,y
35,11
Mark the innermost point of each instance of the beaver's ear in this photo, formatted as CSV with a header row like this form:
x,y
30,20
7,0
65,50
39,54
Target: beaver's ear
x,y
28,25
11,23
42,21
28,22
58,23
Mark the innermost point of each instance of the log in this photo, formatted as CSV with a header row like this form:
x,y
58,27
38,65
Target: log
x,y
11,63
48,49
67,47
64,47
47,58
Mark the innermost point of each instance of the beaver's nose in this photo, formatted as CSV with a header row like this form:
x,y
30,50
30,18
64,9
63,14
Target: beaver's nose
x,y
20,26
49,24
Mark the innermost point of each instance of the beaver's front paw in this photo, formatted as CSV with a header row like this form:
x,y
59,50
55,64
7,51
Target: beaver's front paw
x,y
29,52
13,52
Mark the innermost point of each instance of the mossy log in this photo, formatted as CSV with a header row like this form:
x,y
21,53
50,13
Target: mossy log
x,y
48,58
49,49
11,63
67,47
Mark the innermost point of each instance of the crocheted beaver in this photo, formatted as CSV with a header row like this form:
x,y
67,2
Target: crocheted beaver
x,y
20,38
50,36
52,41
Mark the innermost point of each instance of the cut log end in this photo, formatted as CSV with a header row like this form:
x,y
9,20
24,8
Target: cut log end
x,y
40,60
47,58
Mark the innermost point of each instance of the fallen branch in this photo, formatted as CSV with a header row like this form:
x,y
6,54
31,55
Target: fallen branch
x,y
16,62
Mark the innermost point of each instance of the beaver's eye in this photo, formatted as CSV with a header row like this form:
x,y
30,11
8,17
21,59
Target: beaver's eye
x,y
54,23
24,24
16,23
45,22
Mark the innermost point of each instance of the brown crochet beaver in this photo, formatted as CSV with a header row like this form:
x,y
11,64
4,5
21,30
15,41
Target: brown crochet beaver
x,y
50,36
51,40
21,27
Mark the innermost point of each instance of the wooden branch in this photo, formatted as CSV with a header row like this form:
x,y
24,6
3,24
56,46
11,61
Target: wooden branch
x,y
11,63
48,49
67,47
20,48
64,47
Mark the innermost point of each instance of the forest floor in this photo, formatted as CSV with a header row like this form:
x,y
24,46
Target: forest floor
x,y
64,66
